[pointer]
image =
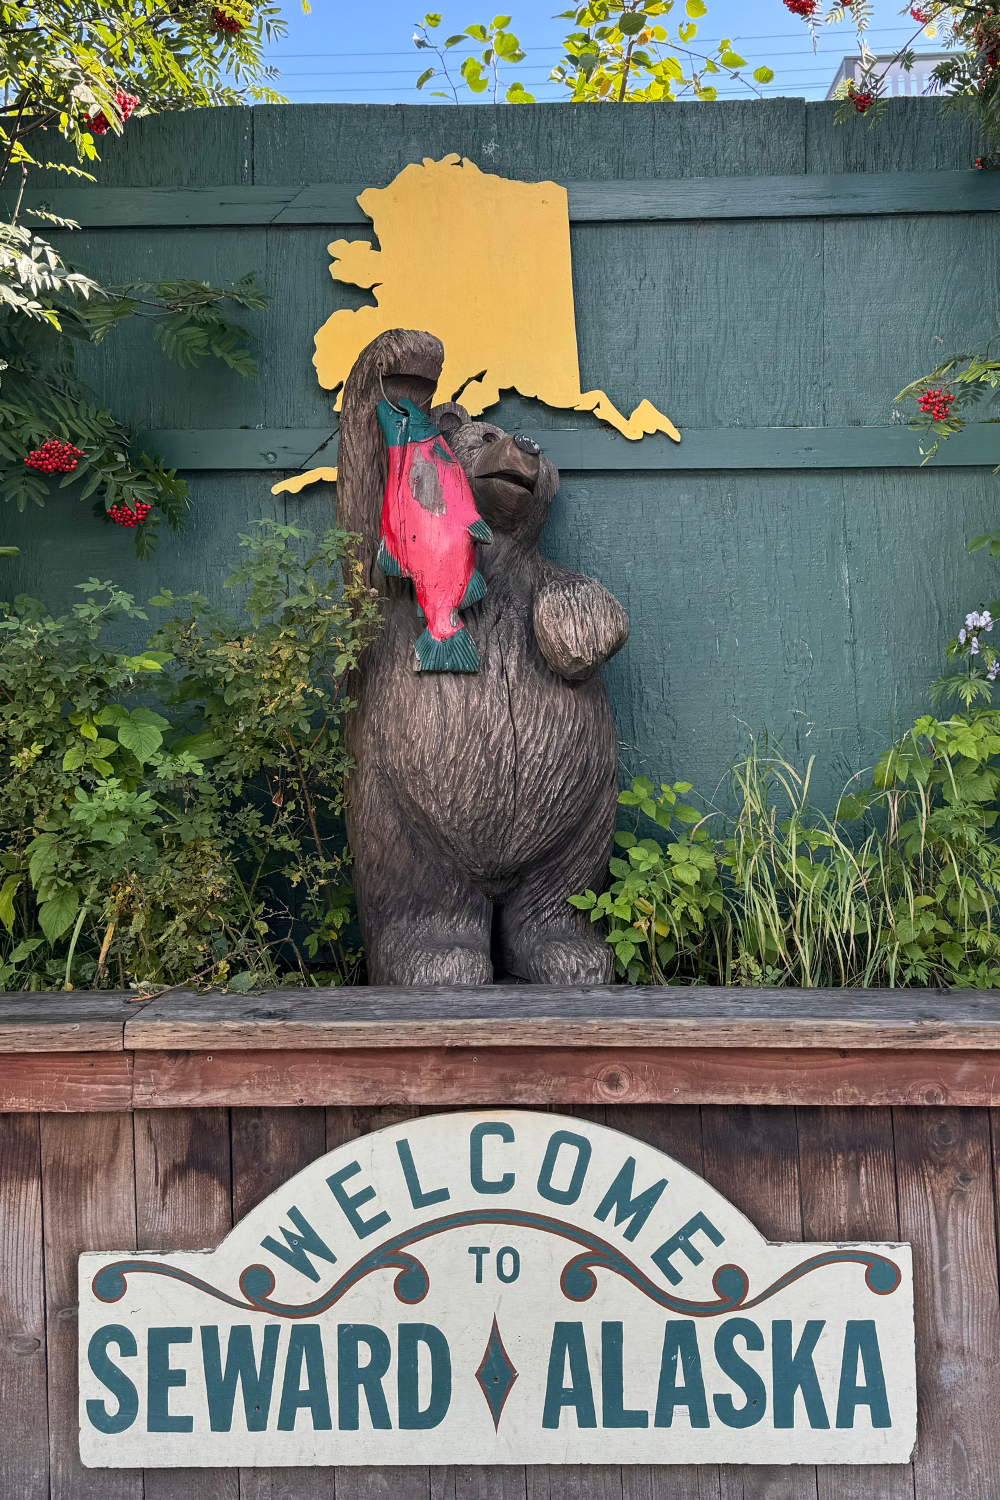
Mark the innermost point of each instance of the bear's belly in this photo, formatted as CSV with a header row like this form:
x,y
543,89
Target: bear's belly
x,y
494,769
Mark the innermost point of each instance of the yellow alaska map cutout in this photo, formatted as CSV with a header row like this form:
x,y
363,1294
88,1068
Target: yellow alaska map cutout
x,y
484,263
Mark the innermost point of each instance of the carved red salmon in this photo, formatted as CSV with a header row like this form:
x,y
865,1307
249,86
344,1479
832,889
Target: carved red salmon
x,y
429,529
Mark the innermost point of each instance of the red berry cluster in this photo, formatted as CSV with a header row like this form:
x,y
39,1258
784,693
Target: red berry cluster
x,y
222,22
919,15
804,8
936,404
54,457
100,124
123,515
862,99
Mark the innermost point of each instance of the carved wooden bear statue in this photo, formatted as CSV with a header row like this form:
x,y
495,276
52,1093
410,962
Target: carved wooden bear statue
x,y
479,800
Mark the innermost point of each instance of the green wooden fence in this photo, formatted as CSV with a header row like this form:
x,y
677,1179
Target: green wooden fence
x,y
765,277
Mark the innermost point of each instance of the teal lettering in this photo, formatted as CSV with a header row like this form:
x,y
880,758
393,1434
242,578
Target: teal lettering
x,y
294,1251
619,1197
680,1356
362,1227
241,1367
581,1145
482,1184
567,1339
109,1374
740,1373
161,1379
479,1251
352,1376
613,1410
681,1241
418,1197
796,1372
861,1338
505,1253
410,1336
304,1343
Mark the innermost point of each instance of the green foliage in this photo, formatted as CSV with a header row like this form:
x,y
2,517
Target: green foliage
x,y
617,51
475,74
41,396
159,811
75,69
900,886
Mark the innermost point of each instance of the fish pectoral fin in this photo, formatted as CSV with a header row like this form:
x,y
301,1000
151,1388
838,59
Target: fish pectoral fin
x,y
481,531
386,563
475,591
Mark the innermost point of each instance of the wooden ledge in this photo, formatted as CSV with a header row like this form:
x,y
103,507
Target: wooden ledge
x,y
519,1044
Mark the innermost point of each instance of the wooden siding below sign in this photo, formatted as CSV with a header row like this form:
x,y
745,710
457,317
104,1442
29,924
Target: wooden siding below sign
x,y
180,1178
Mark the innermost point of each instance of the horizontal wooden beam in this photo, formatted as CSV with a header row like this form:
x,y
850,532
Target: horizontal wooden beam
x,y
527,1076
539,1016
808,195
597,448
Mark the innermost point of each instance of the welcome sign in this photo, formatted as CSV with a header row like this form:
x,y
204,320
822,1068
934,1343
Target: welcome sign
x,y
509,1287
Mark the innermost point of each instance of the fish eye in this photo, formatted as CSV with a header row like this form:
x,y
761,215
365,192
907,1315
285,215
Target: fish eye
x,y
489,437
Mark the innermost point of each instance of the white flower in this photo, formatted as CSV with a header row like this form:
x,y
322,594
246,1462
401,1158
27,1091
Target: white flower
x,y
961,637
974,647
970,620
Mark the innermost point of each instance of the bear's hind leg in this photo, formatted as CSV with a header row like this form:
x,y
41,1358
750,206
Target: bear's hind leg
x,y
422,922
539,937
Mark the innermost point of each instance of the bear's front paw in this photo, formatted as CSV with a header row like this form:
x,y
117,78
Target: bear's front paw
x,y
435,963
578,625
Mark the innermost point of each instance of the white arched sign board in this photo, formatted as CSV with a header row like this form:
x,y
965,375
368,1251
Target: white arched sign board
x,y
496,1288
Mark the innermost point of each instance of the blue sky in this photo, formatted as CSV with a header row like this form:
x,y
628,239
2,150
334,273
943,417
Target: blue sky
x,y
345,52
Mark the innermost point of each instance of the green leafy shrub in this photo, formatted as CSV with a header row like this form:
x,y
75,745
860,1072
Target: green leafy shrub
x,y
901,886
159,811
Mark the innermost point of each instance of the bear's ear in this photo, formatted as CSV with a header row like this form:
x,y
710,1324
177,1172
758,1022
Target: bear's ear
x,y
449,416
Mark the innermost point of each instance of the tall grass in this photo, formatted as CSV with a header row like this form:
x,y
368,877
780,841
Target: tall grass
x,y
899,886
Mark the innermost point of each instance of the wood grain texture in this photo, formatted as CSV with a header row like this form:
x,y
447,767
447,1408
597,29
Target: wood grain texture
x,y
751,1156
280,449
24,1442
50,1021
268,1148
568,1015
65,1081
845,195
88,1202
508,1075
945,1185
183,1201
847,1173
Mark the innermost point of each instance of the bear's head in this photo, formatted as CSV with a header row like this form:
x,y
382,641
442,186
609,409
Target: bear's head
x,y
512,481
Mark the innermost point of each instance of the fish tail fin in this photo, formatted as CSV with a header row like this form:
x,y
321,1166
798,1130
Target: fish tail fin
x,y
386,563
455,654
481,531
475,591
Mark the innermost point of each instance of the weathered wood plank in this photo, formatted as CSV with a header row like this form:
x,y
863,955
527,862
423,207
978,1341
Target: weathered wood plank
x,y
88,1196
848,1181
391,1481
47,1021
183,1201
508,1075
540,1016
24,1445
945,1182
268,1148
814,195
677,1132
751,1155
65,1081
595,448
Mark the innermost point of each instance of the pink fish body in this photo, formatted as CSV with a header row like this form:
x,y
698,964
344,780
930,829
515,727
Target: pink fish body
x,y
429,529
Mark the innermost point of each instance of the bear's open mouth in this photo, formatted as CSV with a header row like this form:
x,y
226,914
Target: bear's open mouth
x,y
520,480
